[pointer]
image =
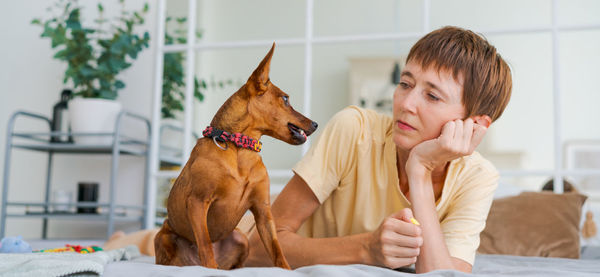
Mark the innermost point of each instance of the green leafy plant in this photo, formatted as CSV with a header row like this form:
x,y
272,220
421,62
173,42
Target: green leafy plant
x,y
173,88
94,56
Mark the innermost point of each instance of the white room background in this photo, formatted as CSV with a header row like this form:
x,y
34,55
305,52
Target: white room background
x,y
31,80
341,30
521,30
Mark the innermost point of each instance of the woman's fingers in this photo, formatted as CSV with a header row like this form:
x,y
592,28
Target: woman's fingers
x,y
457,139
478,134
447,134
458,130
393,262
462,137
401,227
399,240
404,214
400,251
467,134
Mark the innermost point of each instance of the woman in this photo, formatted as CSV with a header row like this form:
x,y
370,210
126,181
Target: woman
x,y
353,195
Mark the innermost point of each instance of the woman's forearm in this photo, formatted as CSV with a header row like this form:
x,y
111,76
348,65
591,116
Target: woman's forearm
x,y
300,251
434,253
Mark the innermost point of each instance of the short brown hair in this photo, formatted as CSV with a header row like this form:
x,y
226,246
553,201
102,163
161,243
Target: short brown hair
x,y
487,77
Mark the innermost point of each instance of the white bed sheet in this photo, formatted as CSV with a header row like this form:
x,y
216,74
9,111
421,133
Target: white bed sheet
x,y
485,265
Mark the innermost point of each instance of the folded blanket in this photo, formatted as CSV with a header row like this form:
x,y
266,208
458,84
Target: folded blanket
x,y
63,264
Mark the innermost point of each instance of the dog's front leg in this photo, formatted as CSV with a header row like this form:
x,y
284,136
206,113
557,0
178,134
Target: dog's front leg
x,y
266,226
197,215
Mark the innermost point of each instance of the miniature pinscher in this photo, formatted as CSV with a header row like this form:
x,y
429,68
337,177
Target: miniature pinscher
x,y
225,176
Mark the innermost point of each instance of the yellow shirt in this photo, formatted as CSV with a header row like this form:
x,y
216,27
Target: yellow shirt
x,y
352,171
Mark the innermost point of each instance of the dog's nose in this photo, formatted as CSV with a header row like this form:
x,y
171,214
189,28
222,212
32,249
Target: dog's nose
x,y
315,125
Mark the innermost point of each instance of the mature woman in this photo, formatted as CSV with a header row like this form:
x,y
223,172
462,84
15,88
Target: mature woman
x,y
353,195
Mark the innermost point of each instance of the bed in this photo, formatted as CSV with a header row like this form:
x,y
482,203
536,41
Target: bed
x,y
129,262
529,234
485,265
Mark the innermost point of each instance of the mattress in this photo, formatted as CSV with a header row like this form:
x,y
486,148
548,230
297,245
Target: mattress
x,y
485,265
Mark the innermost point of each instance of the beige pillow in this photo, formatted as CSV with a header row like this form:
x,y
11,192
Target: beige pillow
x,y
541,224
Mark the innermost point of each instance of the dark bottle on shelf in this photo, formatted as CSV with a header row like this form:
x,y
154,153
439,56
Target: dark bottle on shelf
x,y
87,192
60,118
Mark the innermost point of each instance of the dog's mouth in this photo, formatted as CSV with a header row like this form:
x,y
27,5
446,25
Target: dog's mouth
x,y
298,134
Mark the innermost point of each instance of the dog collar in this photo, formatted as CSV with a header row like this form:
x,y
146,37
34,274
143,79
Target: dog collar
x,y
239,139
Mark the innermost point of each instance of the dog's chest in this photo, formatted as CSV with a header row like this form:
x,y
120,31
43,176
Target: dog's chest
x,y
226,211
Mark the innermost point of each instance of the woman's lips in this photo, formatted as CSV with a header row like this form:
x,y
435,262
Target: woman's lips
x,y
404,126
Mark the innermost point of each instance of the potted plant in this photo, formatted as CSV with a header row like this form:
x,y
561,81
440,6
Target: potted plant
x,y
94,56
173,86
173,74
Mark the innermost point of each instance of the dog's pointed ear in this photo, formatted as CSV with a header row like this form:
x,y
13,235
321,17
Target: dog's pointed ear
x,y
260,77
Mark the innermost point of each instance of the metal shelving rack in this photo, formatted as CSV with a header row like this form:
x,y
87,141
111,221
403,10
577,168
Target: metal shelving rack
x,y
40,141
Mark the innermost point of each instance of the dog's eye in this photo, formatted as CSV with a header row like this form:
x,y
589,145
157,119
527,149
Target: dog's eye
x,y
285,100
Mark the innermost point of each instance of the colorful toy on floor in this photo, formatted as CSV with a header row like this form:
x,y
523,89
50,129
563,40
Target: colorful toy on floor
x,y
73,248
14,245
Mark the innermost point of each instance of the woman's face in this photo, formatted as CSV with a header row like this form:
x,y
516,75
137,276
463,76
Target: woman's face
x,y
423,102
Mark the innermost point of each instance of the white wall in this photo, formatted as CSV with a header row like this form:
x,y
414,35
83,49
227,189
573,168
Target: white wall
x,y
30,79
527,125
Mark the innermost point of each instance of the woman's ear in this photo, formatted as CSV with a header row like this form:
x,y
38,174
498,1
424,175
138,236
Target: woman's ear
x,y
482,120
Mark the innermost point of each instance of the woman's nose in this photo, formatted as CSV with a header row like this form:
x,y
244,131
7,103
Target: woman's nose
x,y
405,99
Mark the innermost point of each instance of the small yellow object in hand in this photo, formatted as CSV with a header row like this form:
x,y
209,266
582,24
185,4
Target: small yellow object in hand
x,y
414,221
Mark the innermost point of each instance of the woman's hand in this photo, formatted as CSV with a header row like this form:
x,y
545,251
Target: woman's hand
x,y
396,242
458,138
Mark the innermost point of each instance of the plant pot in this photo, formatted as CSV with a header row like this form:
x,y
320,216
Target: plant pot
x,y
93,115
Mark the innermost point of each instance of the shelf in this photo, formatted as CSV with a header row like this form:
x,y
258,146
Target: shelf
x,y
116,144
118,215
77,148
76,216
75,205
126,145
170,155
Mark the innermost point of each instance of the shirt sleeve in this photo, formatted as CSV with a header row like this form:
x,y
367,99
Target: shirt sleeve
x,y
333,155
469,210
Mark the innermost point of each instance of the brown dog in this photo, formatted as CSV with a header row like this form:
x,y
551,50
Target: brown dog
x,y
220,181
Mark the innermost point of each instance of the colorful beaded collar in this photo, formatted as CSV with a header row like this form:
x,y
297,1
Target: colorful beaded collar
x,y
239,139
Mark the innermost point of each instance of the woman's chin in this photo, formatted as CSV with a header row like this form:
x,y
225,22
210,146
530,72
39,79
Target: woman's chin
x,y
404,143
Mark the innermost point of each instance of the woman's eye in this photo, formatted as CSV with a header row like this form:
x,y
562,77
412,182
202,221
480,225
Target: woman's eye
x,y
433,97
404,85
285,100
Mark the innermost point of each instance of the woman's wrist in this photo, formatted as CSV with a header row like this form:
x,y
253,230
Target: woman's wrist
x,y
420,163
364,255
416,170
419,179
